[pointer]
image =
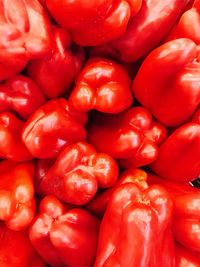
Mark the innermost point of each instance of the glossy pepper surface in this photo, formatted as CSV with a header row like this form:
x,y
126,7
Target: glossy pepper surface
x,y
77,173
186,258
173,90
63,236
25,34
131,137
55,72
102,85
53,126
17,203
94,22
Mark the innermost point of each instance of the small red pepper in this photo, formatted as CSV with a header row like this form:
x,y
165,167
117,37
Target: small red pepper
x,y
17,204
77,173
52,127
64,237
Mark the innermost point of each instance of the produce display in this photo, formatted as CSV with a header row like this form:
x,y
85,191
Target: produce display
x,y
100,133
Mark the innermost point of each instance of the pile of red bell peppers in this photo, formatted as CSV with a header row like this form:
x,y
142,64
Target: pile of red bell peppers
x,y
100,133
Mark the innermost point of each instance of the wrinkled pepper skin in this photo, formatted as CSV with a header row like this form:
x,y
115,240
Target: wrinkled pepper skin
x,y
178,158
25,34
147,29
133,218
188,25
16,249
17,204
55,72
94,22
21,95
11,144
77,173
100,202
64,237
52,127
186,258
131,137
173,90
102,85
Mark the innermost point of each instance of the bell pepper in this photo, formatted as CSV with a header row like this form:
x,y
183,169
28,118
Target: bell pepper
x,y
52,127
55,72
63,236
77,173
172,92
128,229
96,22
25,34
147,29
131,137
100,202
17,204
11,144
188,25
178,158
21,95
102,85
186,258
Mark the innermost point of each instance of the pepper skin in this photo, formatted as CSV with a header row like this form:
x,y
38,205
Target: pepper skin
x,y
95,22
100,202
132,220
131,137
186,258
25,34
21,95
55,72
196,116
52,127
77,173
173,90
17,204
102,85
147,29
64,237
11,145
178,158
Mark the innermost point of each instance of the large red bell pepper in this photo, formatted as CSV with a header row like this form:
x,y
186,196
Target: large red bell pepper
x,y
102,85
94,22
11,144
21,95
172,92
55,72
25,34
77,173
17,204
131,136
64,237
52,127
178,158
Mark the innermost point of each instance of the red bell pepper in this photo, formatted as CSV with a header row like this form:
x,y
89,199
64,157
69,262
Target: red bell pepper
x,y
147,29
21,95
172,92
77,173
64,237
25,34
131,222
55,72
186,258
102,85
178,158
17,204
52,127
100,202
131,136
11,144
16,249
96,22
